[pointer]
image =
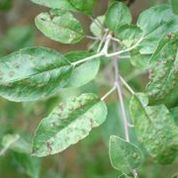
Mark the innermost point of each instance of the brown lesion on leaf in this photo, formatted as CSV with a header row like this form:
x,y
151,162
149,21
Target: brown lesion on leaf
x,y
11,74
48,144
91,122
16,66
61,107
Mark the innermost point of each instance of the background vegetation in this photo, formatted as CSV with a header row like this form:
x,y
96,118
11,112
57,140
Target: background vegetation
x,y
87,159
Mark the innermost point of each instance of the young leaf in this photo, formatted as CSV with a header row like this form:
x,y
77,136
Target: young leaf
x,y
174,4
124,156
33,73
163,84
60,26
96,26
156,22
68,123
85,6
117,15
85,72
55,4
151,121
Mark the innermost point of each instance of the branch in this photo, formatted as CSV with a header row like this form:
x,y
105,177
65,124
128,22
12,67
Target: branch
x,y
103,52
108,93
120,96
125,50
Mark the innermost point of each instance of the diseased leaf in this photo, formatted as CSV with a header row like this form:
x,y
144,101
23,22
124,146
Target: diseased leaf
x,y
55,4
156,22
155,129
124,156
32,74
60,26
117,15
85,72
85,6
138,60
163,83
68,123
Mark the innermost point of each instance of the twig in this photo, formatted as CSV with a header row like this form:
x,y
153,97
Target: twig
x,y
118,80
92,37
87,59
109,93
120,96
103,52
125,50
127,85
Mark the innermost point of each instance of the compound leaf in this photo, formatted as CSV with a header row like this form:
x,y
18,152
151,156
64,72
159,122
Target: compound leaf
x,y
124,156
33,73
60,26
68,123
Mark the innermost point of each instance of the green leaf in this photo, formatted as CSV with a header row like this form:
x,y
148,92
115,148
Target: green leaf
x,y
156,22
68,123
28,164
163,83
124,156
96,28
174,112
138,60
85,72
151,121
85,6
174,4
5,4
129,34
16,38
20,151
117,15
55,4
60,26
32,74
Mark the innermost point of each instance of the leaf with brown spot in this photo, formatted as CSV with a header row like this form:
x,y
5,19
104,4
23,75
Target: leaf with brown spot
x,y
71,126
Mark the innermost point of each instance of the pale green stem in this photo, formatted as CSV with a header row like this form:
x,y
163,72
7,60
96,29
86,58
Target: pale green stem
x,y
109,93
